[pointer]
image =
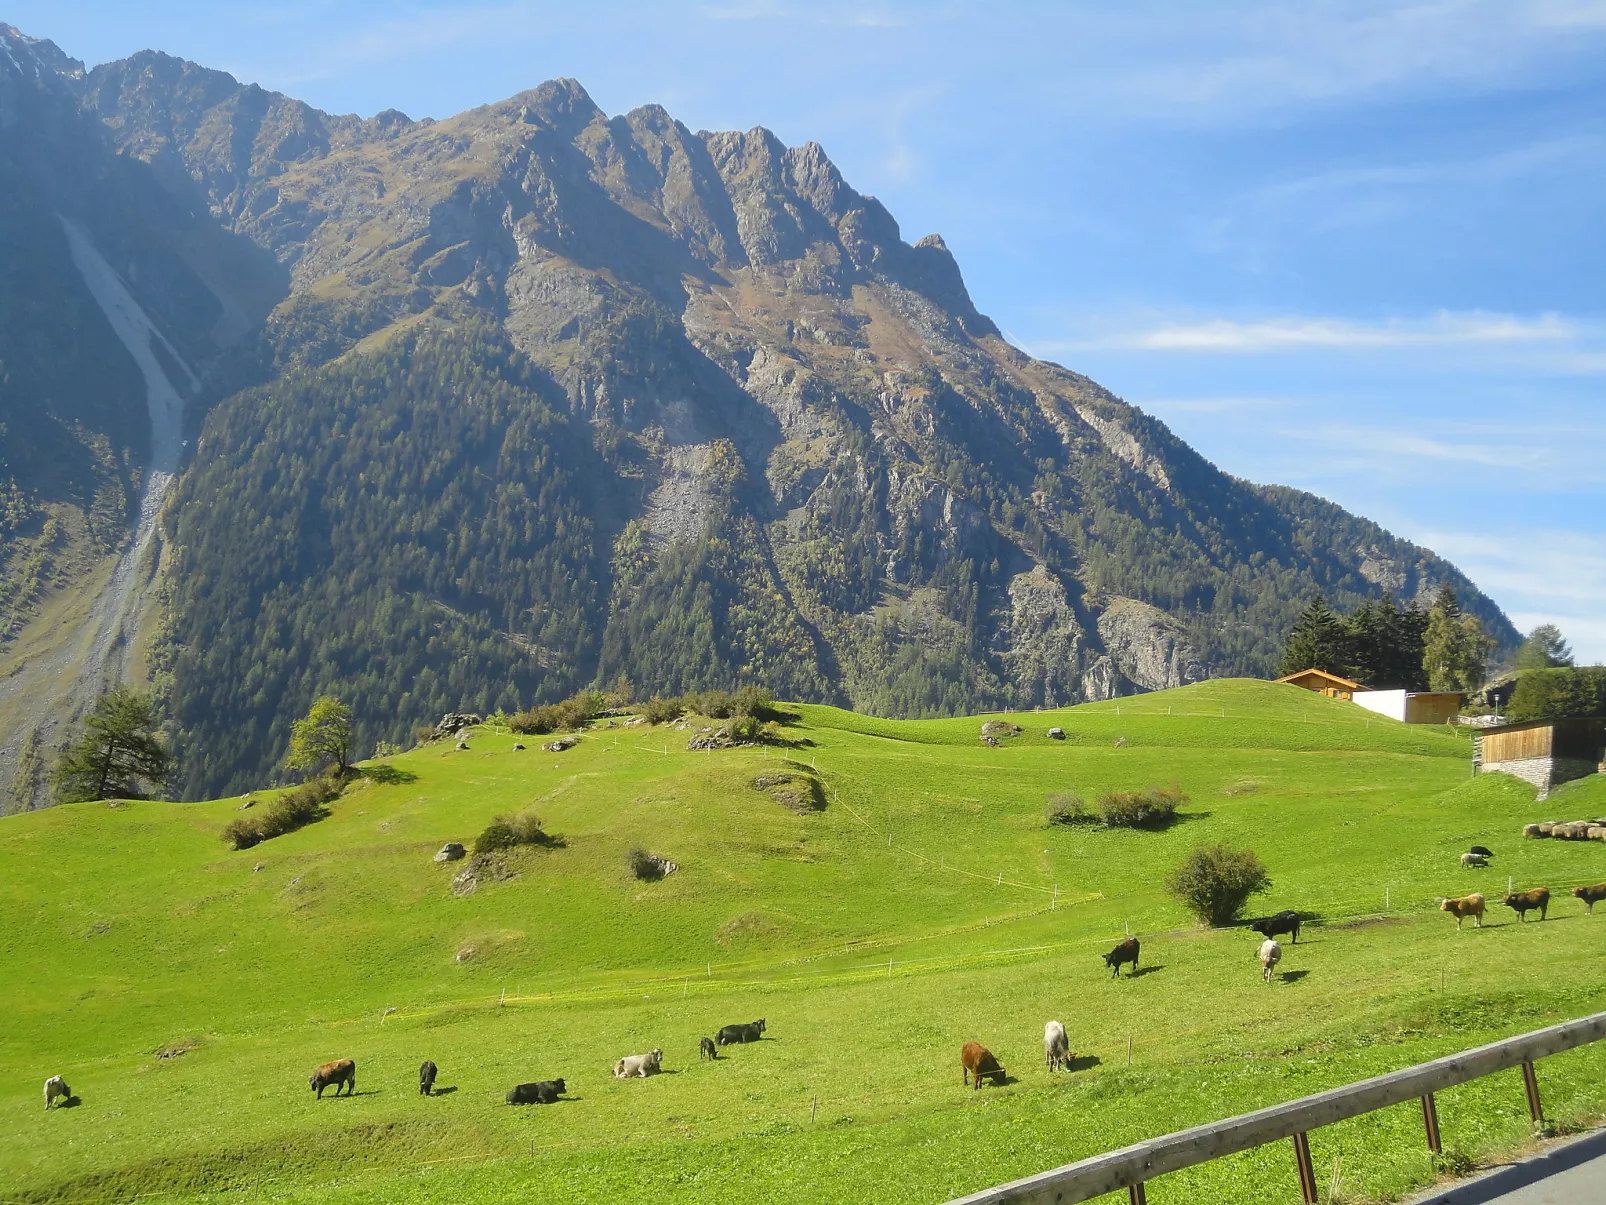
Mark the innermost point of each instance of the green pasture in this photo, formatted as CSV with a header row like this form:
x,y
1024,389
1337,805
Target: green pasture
x,y
927,904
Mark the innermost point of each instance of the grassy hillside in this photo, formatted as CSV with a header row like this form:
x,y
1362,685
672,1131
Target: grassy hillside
x,y
928,903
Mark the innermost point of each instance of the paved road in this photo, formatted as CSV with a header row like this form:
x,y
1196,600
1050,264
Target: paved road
x,y
1571,1174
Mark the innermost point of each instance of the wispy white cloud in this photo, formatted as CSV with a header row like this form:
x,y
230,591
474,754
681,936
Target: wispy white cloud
x,y
1285,334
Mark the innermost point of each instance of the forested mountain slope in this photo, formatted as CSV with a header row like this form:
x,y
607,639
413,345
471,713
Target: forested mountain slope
x,y
554,398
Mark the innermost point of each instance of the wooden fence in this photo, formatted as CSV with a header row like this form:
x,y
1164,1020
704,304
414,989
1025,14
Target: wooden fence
x,y
1131,1166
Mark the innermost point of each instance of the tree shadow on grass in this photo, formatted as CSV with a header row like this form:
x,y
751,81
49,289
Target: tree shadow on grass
x,y
388,775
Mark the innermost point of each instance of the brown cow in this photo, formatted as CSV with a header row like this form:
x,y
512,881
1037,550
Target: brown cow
x,y
1127,951
977,1062
1521,901
1590,895
341,1071
1467,905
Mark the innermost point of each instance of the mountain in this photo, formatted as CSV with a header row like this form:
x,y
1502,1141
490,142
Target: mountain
x,y
496,407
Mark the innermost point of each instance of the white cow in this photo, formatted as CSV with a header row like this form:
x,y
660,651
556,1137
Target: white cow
x,y
55,1087
639,1065
1270,955
1056,1047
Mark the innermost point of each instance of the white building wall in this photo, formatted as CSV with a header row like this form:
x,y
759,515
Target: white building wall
x,y
1385,702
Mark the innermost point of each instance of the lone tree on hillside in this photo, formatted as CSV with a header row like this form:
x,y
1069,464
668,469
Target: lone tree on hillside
x,y
119,754
1456,650
322,738
1214,883
1544,649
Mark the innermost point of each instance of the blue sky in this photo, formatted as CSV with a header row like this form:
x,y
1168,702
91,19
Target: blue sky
x,y
1353,247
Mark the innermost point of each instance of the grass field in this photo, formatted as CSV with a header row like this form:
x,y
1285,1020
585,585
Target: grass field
x,y
927,904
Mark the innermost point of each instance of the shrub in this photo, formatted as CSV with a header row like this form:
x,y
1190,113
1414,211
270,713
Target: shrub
x,y
658,710
509,832
1552,694
649,868
1154,808
290,811
1215,883
1066,807
574,712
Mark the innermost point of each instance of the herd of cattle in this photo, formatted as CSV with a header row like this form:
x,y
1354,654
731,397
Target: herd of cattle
x,y
977,1062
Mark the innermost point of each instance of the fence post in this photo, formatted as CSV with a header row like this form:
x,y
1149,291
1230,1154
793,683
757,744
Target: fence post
x,y
1307,1173
1135,1195
1530,1084
1430,1122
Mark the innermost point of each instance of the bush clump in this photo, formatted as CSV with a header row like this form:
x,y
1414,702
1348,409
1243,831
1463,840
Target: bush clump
x,y
745,703
574,712
1214,883
658,710
649,868
509,832
1067,807
290,811
1154,808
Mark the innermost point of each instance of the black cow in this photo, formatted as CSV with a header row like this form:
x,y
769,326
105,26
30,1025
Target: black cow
x,y
426,1078
1286,921
1482,849
1127,951
707,1050
740,1033
544,1092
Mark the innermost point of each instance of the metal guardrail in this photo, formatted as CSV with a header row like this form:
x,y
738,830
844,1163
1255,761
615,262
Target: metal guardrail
x,y
1131,1166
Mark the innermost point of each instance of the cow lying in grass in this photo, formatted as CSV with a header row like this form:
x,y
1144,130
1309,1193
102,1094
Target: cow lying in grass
x,y
1270,955
1127,951
978,1062
1467,905
639,1066
1522,902
1591,895
737,1034
543,1092
340,1072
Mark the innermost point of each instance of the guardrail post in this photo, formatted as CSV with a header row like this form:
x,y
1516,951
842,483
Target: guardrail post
x,y
1530,1084
1430,1122
1135,1195
1307,1173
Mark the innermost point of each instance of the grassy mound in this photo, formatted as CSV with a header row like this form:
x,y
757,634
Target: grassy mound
x,y
930,902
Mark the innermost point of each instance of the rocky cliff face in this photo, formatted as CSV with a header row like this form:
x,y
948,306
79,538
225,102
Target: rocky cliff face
x,y
794,417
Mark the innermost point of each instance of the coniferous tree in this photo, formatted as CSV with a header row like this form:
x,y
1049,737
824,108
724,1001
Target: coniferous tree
x,y
119,754
1544,649
1317,641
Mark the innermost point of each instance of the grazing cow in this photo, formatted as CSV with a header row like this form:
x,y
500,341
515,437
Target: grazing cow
x,y
1286,921
341,1071
426,1078
1270,955
1481,851
1470,859
740,1033
1127,951
1056,1048
543,1092
978,1062
56,1087
1590,895
639,1066
1521,901
1467,905
707,1050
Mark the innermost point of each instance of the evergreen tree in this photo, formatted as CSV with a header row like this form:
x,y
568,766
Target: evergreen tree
x,y
1318,641
1544,649
1455,649
119,753
323,738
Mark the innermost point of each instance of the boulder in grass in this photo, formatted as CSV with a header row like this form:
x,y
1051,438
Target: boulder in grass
x,y
451,852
